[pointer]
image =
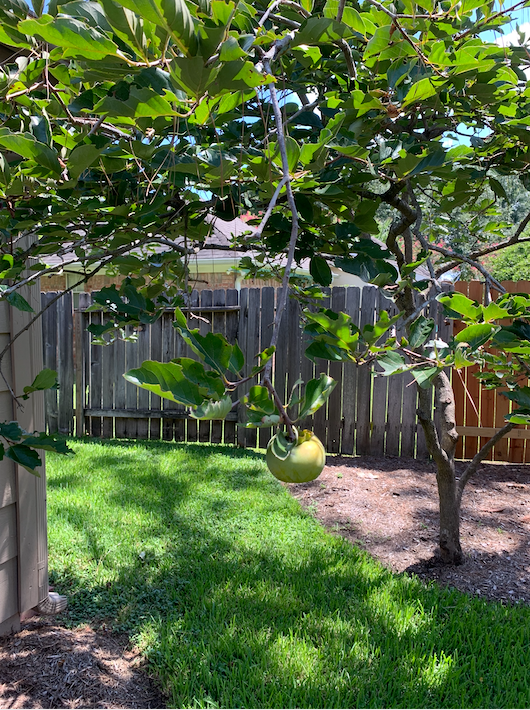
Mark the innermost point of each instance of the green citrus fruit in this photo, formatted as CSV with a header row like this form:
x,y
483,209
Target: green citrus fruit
x,y
304,462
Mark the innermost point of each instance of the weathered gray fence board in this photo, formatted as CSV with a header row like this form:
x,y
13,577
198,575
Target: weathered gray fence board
x,y
338,304
191,424
364,378
320,417
49,333
107,390
155,353
379,395
266,325
94,387
218,326
168,353
65,364
349,388
232,321
143,395
394,401
205,326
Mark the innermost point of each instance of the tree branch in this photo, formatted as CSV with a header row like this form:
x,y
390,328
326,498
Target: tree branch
x,y
479,457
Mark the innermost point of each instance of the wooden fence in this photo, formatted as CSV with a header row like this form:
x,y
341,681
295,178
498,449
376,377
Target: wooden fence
x,y
480,412
366,414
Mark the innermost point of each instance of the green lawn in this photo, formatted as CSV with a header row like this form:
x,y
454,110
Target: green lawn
x,y
240,599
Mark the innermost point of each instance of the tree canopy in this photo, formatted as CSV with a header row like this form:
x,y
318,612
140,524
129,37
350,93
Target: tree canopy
x,y
126,125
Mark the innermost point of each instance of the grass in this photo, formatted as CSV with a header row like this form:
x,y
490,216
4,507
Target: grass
x,y
239,598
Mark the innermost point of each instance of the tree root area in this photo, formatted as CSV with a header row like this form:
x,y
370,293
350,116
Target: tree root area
x,y
388,507
47,666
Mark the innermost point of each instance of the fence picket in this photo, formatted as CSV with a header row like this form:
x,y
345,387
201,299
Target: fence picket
x,y
349,403
379,395
338,303
191,424
364,377
232,323
266,323
65,363
49,336
168,335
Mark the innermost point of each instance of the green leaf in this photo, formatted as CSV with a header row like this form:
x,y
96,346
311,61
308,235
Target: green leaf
x,y
281,446
293,153
171,15
45,380
263,358
521,395
48,443
213,409
494,312
320,271
372,333
392,363
5,171
25,457
237,359
420,91
27,146
497,188
461,304
425,376
11,431
476,335
259,399
82,158
172,381
420,331
316,394
73,37
17,301
213,348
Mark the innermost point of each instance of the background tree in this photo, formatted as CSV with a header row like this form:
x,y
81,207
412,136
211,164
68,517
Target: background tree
x,y
127,124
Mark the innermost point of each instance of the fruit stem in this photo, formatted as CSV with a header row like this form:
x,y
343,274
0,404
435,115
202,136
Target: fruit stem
x,y
283,412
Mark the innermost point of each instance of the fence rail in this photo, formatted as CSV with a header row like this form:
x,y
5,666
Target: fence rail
x,y
366,413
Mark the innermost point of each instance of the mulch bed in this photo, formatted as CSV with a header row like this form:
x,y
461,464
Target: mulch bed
x,y
387,506
47,666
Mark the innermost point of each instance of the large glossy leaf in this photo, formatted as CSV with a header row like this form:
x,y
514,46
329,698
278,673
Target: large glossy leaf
x,y
213,409
172,381
213,348
320,271
476,335
24,456
457,303
27,146
171,15
316,394
72,36
45,380
420,331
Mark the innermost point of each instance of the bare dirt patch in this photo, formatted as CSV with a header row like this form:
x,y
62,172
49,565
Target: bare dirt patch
x,y
388,506
48,666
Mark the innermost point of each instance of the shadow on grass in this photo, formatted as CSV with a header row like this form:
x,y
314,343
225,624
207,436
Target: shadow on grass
x,y
241,600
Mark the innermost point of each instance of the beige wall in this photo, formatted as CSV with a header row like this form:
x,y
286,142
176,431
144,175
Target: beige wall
x,y
200,282
23,533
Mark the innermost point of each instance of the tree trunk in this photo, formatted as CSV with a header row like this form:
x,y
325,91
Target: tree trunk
x,y
449,541
442,450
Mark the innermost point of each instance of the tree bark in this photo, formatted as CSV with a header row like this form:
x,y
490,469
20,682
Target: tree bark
x,y
442,450
449,540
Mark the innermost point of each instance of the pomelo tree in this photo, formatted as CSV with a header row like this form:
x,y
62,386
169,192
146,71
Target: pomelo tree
x,y
352,131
